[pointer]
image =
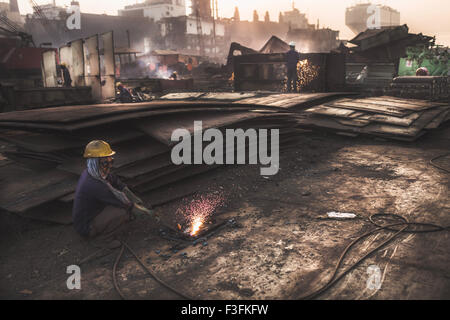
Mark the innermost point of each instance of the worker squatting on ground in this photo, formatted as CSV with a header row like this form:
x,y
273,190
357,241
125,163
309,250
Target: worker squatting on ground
x,y
66,75
124,95
173,76
292,61
103,204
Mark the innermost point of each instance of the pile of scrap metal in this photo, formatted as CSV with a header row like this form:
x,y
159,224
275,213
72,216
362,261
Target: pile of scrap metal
x,y
420,87
221,78
45,146
317,72
369,76
374,60
387,43
237,49
273,45
154,86
14,98
385,116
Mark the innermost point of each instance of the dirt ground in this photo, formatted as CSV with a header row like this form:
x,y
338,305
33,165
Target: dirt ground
x,y
282,245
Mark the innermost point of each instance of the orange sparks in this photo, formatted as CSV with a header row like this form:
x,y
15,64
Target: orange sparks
x,y
198,211
306,73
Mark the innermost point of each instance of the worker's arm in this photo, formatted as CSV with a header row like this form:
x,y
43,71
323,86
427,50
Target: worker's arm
x,y
140,210
138,207
133,198
103,194
116,182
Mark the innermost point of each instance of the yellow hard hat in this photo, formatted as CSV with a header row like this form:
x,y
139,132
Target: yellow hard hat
x,y
98,149
64,64
118,84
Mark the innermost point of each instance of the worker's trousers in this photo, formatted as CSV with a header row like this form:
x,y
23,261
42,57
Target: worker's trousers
x,y
292,79
109,224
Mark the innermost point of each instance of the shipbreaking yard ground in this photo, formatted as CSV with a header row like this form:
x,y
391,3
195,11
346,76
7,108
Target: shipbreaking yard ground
x,y
282,245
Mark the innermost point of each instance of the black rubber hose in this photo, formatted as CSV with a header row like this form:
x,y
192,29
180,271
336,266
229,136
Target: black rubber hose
x,y
403,226
437,166
119,256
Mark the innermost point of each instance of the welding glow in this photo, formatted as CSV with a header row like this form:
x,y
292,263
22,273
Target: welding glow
x,y
306,73
198,211
196,224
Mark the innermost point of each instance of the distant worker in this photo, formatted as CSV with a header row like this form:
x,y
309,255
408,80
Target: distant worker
x,y
292,60
174,76
362,76
422,72
124,95
66,75
189,66
151,68
103,204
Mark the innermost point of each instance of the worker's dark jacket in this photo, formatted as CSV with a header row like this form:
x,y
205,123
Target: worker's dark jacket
x,y
91,198
66,76
125,95
292,59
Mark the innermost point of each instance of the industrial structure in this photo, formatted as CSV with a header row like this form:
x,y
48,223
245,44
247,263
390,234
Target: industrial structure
x,y
292,25
171,25
200,32
295,19
48,25
357,17
11,11
20,60
155,9
315,39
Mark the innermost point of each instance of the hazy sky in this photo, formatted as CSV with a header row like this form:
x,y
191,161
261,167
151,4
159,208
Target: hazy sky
x,y
431,17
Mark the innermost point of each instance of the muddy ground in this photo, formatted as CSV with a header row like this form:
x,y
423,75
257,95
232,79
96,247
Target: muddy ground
x,y
282,245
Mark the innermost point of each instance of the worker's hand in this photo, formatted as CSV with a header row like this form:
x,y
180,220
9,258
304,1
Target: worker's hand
x,y
132,197
140,210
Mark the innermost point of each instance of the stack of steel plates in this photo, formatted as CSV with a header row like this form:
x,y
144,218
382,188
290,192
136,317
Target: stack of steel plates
x,y
46,145
388,117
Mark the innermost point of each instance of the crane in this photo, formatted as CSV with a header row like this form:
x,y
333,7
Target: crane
x,y
14,30
51,31
200,33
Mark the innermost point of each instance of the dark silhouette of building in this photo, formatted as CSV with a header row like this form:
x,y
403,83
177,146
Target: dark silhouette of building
x,y
255,16
128,30
203,7
314,40
237,16
13,6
